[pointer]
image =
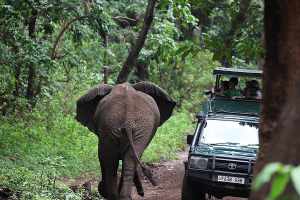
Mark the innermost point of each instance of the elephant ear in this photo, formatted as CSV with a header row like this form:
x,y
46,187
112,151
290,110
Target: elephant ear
x,y
163,100
87,104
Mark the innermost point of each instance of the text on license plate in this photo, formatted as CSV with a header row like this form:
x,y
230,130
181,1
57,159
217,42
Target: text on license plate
x,y
231,179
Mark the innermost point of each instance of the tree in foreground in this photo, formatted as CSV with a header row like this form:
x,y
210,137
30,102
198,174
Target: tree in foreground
x,y
280,123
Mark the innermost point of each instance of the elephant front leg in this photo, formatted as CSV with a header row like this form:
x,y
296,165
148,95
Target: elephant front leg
x,y
128,173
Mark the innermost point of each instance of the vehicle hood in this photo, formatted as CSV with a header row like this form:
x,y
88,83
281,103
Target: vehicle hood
x,y
232,151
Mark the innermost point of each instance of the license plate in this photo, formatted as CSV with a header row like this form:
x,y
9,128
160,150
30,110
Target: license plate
x,y
231,179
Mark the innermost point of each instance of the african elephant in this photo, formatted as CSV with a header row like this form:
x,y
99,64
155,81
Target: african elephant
x,y
125,118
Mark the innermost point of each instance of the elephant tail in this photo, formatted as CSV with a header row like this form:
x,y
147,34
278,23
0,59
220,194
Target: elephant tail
x,y
146,170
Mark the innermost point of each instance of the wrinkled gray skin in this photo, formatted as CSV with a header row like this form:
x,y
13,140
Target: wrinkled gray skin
x,y
125,118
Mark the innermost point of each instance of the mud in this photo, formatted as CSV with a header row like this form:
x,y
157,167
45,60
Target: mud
x,y
170,175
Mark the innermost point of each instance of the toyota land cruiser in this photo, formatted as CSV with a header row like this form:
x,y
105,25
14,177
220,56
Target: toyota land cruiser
x,y
223,148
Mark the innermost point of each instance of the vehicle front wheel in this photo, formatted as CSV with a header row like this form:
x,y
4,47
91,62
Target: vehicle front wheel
x,y
190,192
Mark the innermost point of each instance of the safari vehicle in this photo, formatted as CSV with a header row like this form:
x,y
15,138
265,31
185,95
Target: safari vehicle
x,y
224,146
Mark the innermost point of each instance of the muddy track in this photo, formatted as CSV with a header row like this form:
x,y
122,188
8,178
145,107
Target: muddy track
x,y
170,175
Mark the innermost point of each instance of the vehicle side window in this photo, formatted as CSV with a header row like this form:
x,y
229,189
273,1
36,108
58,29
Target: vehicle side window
x,y
201,125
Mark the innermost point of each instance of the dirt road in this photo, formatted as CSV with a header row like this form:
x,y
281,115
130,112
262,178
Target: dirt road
x,y
170,175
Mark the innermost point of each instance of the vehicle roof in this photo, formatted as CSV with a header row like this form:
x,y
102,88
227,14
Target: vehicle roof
x,y
238,72
237,109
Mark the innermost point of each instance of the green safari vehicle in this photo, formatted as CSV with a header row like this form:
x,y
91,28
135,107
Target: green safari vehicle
x,y
224,146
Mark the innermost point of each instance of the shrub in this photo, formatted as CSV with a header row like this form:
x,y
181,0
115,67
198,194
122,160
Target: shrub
x,y
169,139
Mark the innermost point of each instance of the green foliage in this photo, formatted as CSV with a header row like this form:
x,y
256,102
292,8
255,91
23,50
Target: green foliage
x,y
295,174
223,34
280,176
35,157
169,139
37,185
40,141
30,142
183,68
183,32
42,147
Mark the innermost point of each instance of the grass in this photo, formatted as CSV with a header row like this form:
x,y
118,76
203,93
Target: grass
x,y
38,149
169,139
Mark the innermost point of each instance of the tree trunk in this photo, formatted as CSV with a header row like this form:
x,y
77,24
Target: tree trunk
x,y
142,71
32,24
281,84
31,84
16,92
105,71
236,24
135,49
31,78
17,74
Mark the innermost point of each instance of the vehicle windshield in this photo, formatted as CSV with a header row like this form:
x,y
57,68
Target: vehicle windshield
x,y
219,132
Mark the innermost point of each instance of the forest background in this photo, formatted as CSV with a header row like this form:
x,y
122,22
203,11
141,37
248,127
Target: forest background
x,y
52,51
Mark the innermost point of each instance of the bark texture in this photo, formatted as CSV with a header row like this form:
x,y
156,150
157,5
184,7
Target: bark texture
x,y
142,71
140,41
280,123
32,75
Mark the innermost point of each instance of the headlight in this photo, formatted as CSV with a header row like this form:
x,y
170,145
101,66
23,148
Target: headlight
x,y
198,162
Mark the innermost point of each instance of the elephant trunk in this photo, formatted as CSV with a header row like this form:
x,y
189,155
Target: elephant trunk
x,y
146,170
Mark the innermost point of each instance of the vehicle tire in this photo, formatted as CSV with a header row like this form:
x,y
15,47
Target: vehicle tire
x,y
189,192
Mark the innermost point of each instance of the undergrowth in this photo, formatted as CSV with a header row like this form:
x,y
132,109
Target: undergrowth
x,y
39,148
169,139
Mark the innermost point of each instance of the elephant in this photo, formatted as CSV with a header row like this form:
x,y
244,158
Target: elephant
x,y
125,118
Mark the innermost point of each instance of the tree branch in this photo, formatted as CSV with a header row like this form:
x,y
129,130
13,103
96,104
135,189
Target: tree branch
x,y
140,41
61,33
122,18
125,21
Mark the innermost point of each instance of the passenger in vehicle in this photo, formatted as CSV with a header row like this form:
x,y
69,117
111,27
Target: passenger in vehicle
x,y
232,91
252,90
255,85
223,87
247,90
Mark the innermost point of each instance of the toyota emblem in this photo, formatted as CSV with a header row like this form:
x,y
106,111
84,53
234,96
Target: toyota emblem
x,y
232,166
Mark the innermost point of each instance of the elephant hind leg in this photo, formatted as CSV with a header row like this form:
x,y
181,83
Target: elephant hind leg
x,y
109,161
138,183
128,173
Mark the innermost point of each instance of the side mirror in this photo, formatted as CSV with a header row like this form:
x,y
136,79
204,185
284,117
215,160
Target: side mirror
x,y
207,92
200,116
189,139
